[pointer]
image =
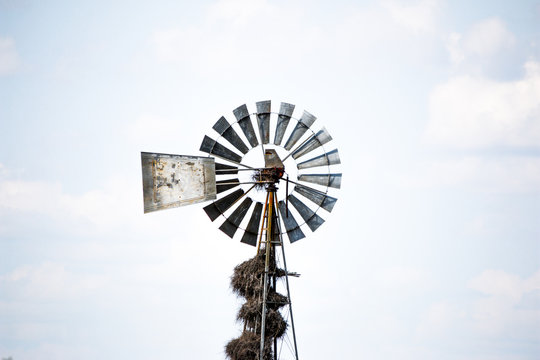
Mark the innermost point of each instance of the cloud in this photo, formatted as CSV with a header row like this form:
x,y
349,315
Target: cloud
x,y
256,38
493,311
484,39
499,283
508,174
499,312
151,131
475,112
9,57
440,317
47,281
420,16
240,12
99,207
403,278
237,35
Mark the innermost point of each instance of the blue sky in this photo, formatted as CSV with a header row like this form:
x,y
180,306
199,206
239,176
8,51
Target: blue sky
x,y
432,251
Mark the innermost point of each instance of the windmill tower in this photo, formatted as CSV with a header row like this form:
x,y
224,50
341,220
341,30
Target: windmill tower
x,y
260,177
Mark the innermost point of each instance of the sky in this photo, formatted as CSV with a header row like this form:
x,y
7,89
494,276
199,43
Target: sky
x,y
431,252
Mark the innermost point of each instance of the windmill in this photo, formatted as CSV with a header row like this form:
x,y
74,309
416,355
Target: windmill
x,y
247,179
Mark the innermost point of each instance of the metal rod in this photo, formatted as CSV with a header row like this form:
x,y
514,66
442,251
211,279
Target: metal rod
x,y
287,197
244,182
262,223
274,286
246,166
271,191
262,147
229,170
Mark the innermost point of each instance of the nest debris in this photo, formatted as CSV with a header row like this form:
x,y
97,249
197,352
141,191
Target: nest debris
x,y
246,347
247,282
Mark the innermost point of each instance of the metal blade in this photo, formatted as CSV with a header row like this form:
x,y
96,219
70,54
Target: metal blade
x,y
218,207
176,180
317,140
330,158
225,129
332,180
317,197
310,217
252,230
303,124
284,115
263,120
222,169
232,223
244,120
211,146
293,230
224,185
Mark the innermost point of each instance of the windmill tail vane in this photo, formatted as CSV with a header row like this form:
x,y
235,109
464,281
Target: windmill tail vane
x,y
242,188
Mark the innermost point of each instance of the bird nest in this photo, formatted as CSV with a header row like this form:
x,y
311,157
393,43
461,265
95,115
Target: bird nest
x,y
247,281
247,347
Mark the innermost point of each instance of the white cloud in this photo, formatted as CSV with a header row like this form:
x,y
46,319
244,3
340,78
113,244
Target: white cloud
x,y
474,112
509,174
239,12
499,283
404,277
47,281
488,37
256,38
440,317
237,35
495,311
9,57
420,16
485,38
498,312
100,207
453,45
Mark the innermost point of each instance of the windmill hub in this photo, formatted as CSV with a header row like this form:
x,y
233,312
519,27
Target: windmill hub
x,y
272,172
268,176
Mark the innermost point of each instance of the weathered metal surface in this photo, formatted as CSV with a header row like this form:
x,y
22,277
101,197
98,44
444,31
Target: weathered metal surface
x,y
222,169
263,120
331,180
330,158
244,120
284,115
314,142
231,224
301,127
316,196
250,235
293,230
225,129
271,159
310,217
224,185
211,146
219,206
176,180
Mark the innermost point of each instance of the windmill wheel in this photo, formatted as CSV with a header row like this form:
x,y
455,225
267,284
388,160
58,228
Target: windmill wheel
x,y
303,165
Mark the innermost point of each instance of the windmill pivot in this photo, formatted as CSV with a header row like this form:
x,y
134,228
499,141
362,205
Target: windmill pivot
x,y
273,171
270,175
